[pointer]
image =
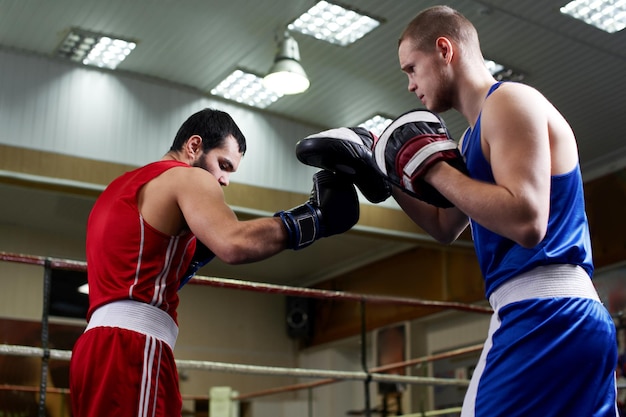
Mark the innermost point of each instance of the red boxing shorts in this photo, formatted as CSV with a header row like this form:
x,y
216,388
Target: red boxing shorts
x,y
123,373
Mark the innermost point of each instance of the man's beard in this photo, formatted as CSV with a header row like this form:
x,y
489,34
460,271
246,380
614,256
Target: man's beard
x,y
443,100
200,162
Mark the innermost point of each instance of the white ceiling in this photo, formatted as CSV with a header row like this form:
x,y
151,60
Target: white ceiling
x,y
195,43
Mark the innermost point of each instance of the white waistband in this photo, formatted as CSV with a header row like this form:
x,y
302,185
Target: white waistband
x,y
545,282
137,316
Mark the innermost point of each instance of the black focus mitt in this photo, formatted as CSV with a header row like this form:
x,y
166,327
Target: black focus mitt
x,y
348,151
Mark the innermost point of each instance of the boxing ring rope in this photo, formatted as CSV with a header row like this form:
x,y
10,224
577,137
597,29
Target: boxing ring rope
x,y
252,369
330,376
23,388
334,295
263,287
326,376
378,369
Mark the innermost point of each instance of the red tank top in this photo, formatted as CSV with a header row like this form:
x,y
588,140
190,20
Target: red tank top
x,y
126,257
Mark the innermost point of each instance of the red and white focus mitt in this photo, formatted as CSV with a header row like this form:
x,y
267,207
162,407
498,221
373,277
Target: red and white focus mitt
x,y
410,146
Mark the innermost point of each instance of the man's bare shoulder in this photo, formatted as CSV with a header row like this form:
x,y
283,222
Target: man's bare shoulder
x,y
181,180
516,91
185,173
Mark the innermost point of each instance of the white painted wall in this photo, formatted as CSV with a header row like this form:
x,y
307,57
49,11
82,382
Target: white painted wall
x,y
336,399
53,106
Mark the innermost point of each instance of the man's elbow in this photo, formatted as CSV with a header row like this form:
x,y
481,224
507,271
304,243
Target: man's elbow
x,y
531,235
233,254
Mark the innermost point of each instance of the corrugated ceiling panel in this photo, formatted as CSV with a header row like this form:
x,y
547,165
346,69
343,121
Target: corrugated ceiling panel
x,y
195,43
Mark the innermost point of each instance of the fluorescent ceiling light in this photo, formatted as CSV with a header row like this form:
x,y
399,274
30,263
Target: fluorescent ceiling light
x,y
376,124
94,49
493,66
607,15
502,73
246,88
333,23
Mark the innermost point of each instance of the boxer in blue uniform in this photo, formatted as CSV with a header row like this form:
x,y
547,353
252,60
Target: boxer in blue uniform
x,y
551,349
547,312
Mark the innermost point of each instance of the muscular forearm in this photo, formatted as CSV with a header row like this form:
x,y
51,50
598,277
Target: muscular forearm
x,y
252,241
445,225
512,214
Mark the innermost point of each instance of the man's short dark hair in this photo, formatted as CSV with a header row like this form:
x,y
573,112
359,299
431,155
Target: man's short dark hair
x,y
213,126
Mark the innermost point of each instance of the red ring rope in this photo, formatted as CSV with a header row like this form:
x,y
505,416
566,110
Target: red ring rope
x,y
56,263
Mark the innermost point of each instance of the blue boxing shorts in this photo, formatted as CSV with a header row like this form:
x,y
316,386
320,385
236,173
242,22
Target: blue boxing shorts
x,y
551,350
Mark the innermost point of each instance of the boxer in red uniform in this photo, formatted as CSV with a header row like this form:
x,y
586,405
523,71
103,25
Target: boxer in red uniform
x,y
147,234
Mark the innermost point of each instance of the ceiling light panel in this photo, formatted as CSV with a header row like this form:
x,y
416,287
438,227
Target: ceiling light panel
x,y
246,88
607,15
96,49
502,73
376,124
333,23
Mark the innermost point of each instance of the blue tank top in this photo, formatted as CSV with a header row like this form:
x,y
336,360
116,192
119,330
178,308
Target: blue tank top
x,y
567,240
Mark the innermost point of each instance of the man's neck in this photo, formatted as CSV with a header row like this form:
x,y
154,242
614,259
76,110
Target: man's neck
x,y
472,96
172,156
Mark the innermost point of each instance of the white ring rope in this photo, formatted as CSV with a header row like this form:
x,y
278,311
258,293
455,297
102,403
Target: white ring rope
x,y
18,350
257,369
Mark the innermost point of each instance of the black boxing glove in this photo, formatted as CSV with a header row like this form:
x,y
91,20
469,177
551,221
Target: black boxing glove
x,y
410,146
346,150
333,208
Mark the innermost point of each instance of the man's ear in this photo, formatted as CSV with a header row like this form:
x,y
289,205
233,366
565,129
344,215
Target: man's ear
x,y
445,48
193,145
